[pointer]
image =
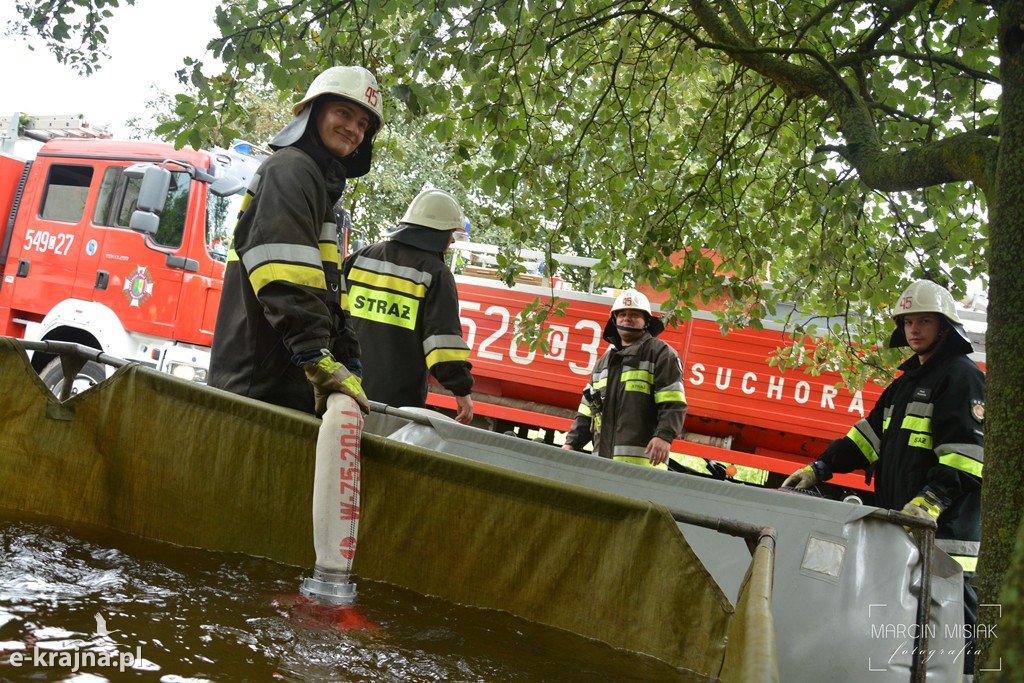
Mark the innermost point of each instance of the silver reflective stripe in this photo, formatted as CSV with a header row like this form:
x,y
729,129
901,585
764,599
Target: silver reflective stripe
x,y
329,232
952,546
384,268
443,341
600,376
919,409
864,427
279,251
646,365
675,386
971,450
634,451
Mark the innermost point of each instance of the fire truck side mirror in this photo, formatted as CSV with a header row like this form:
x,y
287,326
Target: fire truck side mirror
x,y
225,186
153,190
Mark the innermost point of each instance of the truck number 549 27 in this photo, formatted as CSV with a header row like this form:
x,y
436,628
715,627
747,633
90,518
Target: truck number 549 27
x,y
43,241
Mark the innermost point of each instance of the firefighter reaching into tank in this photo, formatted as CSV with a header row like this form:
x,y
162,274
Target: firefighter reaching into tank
x,y
634,404
923,441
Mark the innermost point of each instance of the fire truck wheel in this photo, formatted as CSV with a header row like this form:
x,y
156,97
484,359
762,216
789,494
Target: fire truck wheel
x,y
90,374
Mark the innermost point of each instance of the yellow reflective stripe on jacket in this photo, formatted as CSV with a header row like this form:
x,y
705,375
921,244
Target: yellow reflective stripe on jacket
x,y
444,348
962,463
232,255
640,381
672,393
869,452
922,431
286,272
329,253
584,409
281,262
378,281
446,356
969,564
637,375
918,424
383,307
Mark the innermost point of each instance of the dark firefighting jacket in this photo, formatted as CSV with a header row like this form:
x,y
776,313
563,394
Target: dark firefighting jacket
x,y
635,393
282,285
926,432
404,308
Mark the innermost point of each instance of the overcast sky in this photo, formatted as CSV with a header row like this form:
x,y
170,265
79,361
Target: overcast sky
x,y
147,44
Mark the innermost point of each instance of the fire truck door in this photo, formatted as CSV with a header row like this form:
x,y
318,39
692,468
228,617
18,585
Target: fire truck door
x,y
135,277
44,249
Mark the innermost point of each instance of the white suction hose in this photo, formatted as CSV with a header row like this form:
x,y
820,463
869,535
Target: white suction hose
x,y
336,502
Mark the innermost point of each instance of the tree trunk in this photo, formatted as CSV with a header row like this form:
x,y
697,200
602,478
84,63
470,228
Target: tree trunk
x,y
1002,555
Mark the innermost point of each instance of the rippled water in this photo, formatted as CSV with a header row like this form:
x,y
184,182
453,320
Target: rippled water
x,y
175,614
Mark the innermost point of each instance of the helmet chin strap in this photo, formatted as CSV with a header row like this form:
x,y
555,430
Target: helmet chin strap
x,y
944,329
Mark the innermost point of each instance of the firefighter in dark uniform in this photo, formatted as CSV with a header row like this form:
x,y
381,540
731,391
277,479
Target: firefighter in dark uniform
x,y
923,441
281,335
634,405
404,308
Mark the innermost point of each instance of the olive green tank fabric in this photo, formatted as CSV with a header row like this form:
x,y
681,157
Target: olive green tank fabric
x,y
151,455
751,656
600,565
148,454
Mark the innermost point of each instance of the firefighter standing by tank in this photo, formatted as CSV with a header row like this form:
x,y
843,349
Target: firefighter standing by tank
x,y
634,405
404,308
280,327
923,441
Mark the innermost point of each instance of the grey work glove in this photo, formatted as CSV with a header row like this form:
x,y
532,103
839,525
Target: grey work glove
x,y
803,478
328,376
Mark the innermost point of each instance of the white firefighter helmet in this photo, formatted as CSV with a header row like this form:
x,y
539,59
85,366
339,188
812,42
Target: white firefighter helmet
x,y
924,296
350,82
631,298
435,209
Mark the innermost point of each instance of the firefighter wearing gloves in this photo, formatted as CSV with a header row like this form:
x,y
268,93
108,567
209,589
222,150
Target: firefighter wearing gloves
x,y
923,441
633,407
280,330
404,307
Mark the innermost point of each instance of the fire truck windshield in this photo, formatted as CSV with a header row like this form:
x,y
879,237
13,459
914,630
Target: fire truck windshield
x,y
221,213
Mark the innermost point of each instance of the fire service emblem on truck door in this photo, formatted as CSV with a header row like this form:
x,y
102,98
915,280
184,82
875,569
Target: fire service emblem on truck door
x,y
138,286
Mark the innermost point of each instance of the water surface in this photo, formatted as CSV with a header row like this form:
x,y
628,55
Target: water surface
x,y
174,614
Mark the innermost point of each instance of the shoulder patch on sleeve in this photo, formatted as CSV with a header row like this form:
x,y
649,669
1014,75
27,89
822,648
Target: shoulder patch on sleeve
x,y
978,410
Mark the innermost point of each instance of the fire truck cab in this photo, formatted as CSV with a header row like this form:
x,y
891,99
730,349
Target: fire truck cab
x,y
73,269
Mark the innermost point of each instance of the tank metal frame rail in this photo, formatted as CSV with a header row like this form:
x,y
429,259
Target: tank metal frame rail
x,y
74,356
924,535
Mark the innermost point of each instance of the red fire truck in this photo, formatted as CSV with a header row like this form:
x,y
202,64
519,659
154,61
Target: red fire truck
x,y
86,259
72,269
